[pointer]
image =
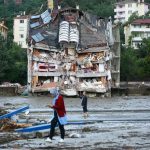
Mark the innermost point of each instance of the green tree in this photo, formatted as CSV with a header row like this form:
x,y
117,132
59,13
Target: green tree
x,y
128,64
104,8
3,58
143,62
17,64
13,62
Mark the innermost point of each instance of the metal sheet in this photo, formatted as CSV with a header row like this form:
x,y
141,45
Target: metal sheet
x,y
37,37
36,24
45,14
34,128
9,115
46,17
35,17
44,126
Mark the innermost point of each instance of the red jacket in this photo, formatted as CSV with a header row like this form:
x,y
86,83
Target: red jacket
x,y
60,106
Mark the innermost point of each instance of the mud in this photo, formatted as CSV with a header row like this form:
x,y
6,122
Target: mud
x,y
106,135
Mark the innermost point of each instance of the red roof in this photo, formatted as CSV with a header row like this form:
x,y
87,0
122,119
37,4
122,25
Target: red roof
x,y
141,21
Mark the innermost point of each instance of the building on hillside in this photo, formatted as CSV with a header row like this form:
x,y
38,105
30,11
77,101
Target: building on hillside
x,y
73,50
137,31
20,30
3,30
124,9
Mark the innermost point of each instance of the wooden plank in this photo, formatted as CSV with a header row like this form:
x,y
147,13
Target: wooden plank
x,y
9,115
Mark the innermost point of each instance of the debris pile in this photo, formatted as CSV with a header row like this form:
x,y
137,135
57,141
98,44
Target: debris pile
x,y
2,111
8,121
8,88
7,125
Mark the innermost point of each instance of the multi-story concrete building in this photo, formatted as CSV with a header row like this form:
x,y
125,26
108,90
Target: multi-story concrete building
x,y
21,30
3,30
73,50
124,9
136,31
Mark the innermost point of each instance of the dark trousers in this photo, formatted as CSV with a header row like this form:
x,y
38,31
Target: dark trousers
x,y
53,125
85,109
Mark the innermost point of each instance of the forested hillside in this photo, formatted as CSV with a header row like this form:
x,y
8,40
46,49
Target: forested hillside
x,y
13,62
99,7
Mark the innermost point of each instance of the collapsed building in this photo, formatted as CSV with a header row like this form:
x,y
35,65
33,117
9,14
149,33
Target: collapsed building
x,y
73,50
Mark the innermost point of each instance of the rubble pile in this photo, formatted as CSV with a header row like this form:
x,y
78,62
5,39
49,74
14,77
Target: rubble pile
x,y
8,88
2,111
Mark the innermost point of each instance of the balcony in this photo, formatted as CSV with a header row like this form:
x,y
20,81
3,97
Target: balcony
x,y
81,74
120,16
119,9
140,29
115,72
45,74
137,39
46,60
116,57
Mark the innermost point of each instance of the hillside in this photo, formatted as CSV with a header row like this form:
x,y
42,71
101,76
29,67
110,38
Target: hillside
x,y
102,8
13,61
99,7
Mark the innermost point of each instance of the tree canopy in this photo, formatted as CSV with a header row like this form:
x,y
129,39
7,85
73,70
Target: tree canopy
x,y
13,62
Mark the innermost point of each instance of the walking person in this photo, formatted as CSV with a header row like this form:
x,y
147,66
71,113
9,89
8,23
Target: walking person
x,y
59,115
84,105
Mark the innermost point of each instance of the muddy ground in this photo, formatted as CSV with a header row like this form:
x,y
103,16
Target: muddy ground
x,y
109,134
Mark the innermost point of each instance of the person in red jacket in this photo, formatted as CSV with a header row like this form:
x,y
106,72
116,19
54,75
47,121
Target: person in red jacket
x,y
59,115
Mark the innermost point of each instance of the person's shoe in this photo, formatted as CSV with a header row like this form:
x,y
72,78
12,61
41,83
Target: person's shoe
x,y
61,141
84,116
87,115
48,140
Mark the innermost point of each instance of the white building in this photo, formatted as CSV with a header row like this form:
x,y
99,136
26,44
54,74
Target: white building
x,y
21,30
125,9
137,30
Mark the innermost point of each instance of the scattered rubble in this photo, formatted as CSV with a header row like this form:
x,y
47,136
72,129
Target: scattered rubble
x,y
2,110
97,135
9,125
11,89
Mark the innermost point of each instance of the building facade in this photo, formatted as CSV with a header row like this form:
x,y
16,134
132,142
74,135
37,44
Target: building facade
x,y
3,30
137,31
20,30
125,9
73,50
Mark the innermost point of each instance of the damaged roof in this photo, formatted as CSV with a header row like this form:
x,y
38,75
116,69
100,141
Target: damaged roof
x,y
44,29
